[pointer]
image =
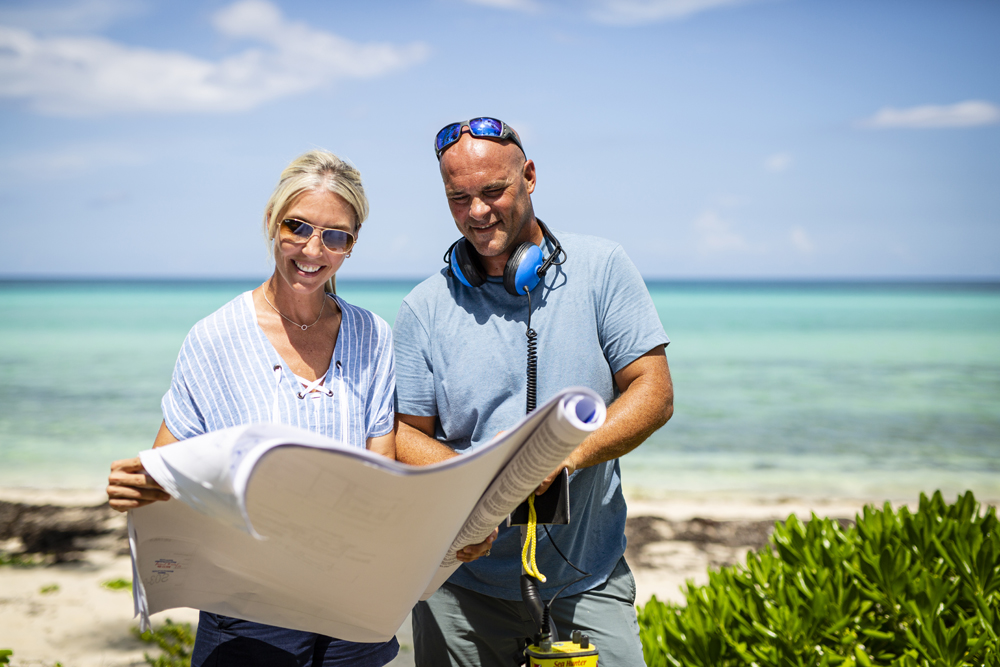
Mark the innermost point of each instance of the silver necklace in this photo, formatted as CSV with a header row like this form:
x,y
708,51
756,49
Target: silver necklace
x,y
301,326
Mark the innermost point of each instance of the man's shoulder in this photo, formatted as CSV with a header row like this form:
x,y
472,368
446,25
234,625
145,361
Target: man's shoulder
x,y
584,240
586,246
428,290
593,257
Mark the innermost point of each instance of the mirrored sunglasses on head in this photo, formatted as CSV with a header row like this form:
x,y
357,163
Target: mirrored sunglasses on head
x,y
298,231
484,126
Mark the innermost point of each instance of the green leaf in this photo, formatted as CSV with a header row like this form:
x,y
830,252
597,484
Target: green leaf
x,y
862,657
877,634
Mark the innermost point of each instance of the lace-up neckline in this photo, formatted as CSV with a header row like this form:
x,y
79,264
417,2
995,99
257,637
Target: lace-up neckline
x,y
316,386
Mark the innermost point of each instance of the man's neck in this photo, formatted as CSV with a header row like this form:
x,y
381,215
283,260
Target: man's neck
x,y
494,266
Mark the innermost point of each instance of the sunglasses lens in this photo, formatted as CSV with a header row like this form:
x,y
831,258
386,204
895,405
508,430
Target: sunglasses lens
x,y
337,241
295,230
448,135
485,127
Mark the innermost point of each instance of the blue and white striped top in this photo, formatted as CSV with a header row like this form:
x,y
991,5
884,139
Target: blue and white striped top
x,y
229,374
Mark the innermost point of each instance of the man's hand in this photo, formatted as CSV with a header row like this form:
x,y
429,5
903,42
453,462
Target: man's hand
x,y
570,467
474,551
129,486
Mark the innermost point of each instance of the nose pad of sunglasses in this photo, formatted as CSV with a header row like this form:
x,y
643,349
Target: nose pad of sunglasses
x,y
312,244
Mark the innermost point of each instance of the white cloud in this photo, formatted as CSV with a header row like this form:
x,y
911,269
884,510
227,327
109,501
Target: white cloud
x,y
801,240
778,162
717,235
76,17
637,12
69,161
92,75
529,6
971,113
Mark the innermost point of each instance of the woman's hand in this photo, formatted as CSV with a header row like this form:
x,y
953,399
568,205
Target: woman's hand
x,y
474,551
129,486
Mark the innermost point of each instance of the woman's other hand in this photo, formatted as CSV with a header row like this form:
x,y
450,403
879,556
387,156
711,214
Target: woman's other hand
x,y
474,551
129,486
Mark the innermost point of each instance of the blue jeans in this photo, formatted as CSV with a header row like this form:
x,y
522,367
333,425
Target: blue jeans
x,y
461,628
232,642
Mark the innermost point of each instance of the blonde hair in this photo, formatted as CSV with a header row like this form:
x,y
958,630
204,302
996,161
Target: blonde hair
x,y
315,171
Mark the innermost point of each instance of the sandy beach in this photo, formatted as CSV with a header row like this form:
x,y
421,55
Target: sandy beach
x,y
61,612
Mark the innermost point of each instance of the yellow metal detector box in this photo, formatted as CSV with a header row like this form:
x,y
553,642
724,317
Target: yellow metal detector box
x,y
562,654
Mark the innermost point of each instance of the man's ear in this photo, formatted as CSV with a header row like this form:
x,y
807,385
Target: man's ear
x,y
528,173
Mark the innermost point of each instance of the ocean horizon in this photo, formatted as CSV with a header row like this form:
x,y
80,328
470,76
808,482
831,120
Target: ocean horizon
x,y
847,388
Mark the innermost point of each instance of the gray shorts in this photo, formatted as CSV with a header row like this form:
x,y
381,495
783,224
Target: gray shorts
x,y
462,628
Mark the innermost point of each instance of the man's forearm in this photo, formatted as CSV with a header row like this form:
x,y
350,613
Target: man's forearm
x,y
644,406
415,447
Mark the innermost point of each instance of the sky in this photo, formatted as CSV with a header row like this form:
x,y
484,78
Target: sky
x,y
789,139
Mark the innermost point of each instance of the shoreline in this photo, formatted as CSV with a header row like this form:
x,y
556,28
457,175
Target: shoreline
x,y
82,624
679,503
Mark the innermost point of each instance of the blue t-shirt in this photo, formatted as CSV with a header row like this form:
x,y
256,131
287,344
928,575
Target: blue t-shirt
x,y
461,355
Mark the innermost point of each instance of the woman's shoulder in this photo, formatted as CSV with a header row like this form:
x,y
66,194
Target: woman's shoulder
x,y
227,322
356,316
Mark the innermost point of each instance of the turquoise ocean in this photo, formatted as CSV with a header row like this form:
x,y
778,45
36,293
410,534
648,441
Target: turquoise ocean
x,y
849,390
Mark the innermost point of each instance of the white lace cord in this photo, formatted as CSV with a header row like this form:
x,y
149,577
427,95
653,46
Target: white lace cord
x,y
274,404
305,391
339,376
313,386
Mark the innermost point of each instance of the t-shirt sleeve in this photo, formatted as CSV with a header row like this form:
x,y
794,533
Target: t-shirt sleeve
x,y
414,369
379,413
629,324
180,407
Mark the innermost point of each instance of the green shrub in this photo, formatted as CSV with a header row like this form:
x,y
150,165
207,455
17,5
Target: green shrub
x,y
117,584
19,560
176,640
5,654
899,588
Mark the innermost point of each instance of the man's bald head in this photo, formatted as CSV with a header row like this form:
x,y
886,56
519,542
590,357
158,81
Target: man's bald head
x,y
483,149
489,184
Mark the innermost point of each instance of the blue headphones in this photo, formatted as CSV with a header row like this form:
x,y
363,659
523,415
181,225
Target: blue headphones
x,y
524,269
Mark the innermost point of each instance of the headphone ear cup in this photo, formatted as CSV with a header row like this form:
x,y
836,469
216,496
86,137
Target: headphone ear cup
x,y
520,274
465,264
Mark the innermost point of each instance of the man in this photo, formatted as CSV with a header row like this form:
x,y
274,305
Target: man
x,y
460,370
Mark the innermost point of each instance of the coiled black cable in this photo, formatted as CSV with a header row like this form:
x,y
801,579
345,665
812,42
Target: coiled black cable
x,y
532,384
529,585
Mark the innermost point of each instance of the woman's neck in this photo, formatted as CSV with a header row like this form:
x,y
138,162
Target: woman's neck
x,y
300,308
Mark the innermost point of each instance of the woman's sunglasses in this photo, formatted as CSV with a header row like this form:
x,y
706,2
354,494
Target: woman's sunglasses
x,y
478,127
297,231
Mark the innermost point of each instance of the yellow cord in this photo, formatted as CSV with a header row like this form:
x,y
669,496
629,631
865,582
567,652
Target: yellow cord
x,y
530,542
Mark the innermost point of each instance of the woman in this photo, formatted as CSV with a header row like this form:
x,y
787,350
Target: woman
x,y
290,351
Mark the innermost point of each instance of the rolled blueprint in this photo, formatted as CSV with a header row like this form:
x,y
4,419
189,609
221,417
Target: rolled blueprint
x,y
574,418
277,525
